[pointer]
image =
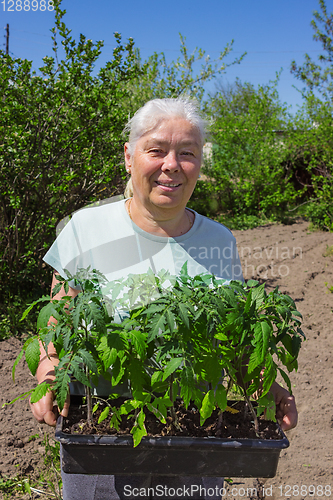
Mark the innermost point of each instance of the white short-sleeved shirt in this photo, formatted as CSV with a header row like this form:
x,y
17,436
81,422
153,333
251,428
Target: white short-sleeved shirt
x,y
105,238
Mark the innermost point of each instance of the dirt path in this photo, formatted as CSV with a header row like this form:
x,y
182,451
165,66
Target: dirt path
x,y
292,258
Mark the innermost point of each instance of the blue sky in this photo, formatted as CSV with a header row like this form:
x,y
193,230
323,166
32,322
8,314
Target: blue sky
x,y
272,32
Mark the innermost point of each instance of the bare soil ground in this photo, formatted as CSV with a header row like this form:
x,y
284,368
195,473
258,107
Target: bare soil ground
x,y
292,258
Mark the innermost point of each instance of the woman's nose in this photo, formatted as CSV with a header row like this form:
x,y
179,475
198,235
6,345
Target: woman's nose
x,y
171,161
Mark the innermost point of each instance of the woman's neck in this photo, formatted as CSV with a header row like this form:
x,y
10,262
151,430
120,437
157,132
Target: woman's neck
x,y
161,223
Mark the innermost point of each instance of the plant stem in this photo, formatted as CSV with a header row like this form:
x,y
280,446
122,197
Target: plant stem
x,y
89,400
255,418
87,388
172,409
220,420
247,399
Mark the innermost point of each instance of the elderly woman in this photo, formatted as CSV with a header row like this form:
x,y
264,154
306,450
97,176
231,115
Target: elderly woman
x,y
151,229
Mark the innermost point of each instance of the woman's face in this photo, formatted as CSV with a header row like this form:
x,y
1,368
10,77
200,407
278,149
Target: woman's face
x,y
165,165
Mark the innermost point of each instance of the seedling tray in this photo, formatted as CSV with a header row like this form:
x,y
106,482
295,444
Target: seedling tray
x,y
169,456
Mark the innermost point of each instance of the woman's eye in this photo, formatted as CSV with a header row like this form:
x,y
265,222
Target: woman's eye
x,y
156,150
187,153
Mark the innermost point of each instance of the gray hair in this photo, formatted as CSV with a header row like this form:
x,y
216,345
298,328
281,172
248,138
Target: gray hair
x,y
128,193
156,110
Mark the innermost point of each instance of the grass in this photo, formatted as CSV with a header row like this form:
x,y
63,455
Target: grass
x,y
46,483
329,251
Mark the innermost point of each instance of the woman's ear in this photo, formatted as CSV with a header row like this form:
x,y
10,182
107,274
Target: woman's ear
x,y
127,154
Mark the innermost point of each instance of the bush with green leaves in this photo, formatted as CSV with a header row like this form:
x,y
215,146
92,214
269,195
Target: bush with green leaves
x,y
312,159
246,169
190,337
316,142
187,75
61,146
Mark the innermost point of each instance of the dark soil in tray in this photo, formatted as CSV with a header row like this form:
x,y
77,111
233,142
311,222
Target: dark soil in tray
x,y
236,423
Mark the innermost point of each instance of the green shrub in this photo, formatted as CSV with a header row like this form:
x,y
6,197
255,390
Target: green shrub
x,y
247,170
61,148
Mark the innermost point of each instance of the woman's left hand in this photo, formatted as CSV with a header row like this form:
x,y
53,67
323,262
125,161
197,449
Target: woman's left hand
x,y
286,411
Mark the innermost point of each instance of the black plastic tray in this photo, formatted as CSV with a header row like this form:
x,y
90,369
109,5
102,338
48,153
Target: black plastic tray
x,y
169,456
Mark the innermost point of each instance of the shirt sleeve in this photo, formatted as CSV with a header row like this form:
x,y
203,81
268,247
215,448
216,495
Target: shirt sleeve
x,y
64,253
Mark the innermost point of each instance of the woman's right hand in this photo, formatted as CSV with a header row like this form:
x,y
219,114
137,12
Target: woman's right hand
x,y
45,411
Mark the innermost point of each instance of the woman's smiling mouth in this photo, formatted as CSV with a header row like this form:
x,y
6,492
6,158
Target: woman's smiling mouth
x,y
168,184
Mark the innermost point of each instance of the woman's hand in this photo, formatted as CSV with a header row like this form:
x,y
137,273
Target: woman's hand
x,y
45,411
286,412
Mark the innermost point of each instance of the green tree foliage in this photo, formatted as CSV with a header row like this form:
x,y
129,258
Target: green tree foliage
x,y
311,161
61,146
319,76
315,144
187,75
247,166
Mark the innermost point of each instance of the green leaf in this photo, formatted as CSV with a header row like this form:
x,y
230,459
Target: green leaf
x,y
32,354
258,294
139,429
262,333
208,405
156,377
269,373
137,374
88,359
78,372
45,314
266,404
254,360
104,414
187,384
31,306
108,354
212,369
155,410
229,295
163,403
157,326
285,378
287,342
118,372
117,339
221,397
138,339
61,386
17,360
21,396
248,302
183,313
171,367
296,345
40,391
66,333
252,283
